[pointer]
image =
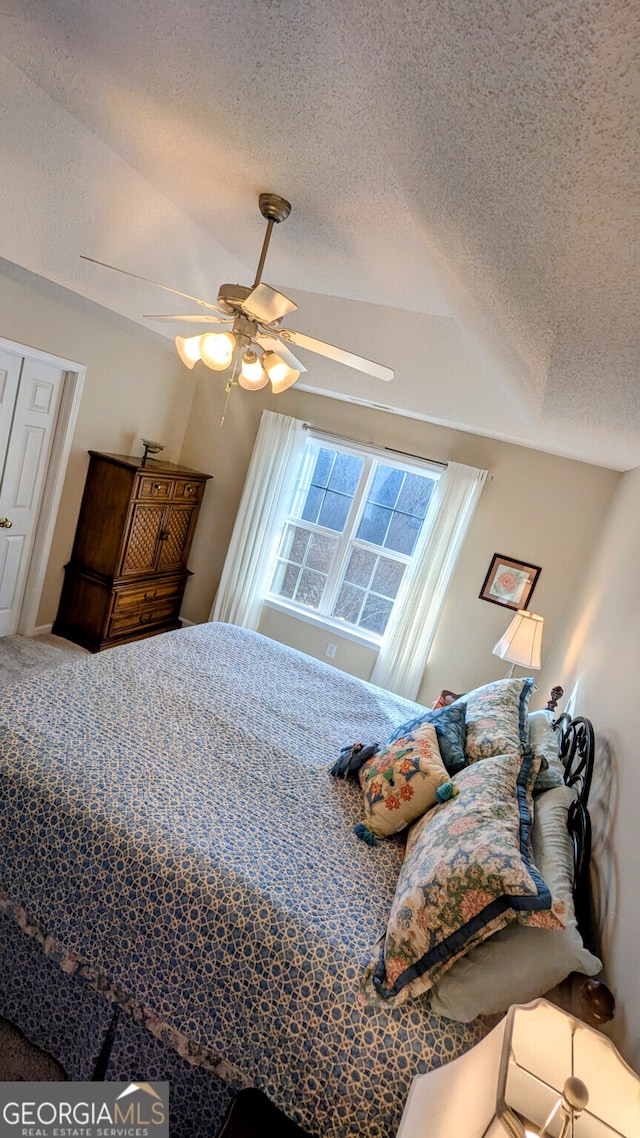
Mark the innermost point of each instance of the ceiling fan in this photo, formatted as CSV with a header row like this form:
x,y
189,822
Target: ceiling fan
x,y
253,343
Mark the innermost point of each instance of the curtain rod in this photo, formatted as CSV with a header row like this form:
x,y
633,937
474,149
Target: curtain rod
x,y
374,446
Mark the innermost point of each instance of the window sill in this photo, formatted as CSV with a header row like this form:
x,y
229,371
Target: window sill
x,y
337,628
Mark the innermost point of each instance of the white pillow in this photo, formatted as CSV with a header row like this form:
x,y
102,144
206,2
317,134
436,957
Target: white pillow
x,y
520,963
543,740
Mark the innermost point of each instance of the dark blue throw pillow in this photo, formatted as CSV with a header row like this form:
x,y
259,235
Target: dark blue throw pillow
x,y
449,723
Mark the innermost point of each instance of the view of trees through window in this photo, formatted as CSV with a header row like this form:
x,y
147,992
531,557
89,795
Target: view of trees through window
x,y
352,530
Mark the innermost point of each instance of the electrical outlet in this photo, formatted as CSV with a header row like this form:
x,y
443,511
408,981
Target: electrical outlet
x,y
331,650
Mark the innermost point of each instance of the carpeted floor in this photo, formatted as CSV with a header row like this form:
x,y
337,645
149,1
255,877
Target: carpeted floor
x,y
21,656
21,1062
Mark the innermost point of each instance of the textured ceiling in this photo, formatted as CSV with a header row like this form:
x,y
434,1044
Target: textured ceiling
x,y
464,178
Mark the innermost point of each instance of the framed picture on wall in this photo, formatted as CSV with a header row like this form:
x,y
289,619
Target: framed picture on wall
x,y
509,583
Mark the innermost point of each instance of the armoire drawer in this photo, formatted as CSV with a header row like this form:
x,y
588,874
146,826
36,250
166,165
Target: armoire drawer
x,y
156,487
187,490
141,596
162,612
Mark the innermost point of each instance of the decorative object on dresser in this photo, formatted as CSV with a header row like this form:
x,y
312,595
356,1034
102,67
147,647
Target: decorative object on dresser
x,y
128,569
150,448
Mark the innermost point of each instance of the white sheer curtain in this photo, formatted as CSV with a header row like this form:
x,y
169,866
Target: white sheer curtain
x,y
265,500
412,626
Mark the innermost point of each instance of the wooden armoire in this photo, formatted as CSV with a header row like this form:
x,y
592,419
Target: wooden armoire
x,y
128,569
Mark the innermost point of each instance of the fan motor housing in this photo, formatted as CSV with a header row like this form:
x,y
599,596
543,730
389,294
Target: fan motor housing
x,y
231,297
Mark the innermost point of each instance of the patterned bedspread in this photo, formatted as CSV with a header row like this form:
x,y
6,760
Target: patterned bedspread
x,y
168,822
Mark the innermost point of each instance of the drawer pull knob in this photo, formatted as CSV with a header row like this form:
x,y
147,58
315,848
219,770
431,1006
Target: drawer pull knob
x,y
188,489
146,619
150,596
157,486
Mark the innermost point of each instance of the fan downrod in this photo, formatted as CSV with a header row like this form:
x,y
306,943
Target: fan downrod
x,y
273,207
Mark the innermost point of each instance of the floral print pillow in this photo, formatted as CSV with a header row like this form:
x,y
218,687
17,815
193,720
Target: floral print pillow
x,y
401,780
468,872
496,718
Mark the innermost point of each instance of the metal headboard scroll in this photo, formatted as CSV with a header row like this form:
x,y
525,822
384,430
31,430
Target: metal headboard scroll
x,y
576,748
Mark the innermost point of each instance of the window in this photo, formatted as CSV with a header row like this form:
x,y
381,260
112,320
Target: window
x,y
352,529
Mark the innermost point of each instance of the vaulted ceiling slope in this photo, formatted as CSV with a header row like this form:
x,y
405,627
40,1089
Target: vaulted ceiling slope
x,y
464,179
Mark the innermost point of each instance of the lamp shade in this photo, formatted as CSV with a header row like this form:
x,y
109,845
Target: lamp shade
x,y
216,349
252,375
514,1083
188,349
522,642
281,375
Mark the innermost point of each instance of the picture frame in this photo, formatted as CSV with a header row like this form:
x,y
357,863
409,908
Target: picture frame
x,y
509,582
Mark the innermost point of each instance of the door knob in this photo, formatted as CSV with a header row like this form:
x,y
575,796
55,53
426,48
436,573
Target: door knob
x,y
5,523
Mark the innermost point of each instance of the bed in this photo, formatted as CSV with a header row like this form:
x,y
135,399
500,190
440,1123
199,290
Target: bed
x,y
171,841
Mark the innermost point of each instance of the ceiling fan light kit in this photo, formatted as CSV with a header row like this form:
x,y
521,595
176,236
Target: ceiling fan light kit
x,y
188,348
252,374
281,375
216,349
256,347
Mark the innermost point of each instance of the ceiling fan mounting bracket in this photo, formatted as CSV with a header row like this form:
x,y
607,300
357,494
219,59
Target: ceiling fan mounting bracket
x,y
273,207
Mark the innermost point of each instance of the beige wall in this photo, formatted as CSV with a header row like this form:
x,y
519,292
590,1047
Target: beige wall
x,y
134,387
541,509
596,657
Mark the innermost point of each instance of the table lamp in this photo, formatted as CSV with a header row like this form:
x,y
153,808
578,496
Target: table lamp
x,y
540,1072
522,642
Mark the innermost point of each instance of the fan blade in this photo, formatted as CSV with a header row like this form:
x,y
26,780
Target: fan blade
x,y
175,291
204,319
337,354
267,305
273,344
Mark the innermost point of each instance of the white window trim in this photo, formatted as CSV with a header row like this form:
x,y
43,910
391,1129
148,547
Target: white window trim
x,y
327,623
373,455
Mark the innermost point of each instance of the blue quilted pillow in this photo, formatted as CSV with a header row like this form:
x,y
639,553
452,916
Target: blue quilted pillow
x,y
450,725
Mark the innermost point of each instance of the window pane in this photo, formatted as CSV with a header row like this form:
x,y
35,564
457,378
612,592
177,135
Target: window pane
x,y
374,524
346,472
349,603
403,533
312,504
321,552
334,510
387,577
360,567
295,544
416,494
322,470
285,579
319,535
385,486
375,614
310,588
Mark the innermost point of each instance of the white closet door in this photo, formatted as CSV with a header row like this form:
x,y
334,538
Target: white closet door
x,y
10,368
27,424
